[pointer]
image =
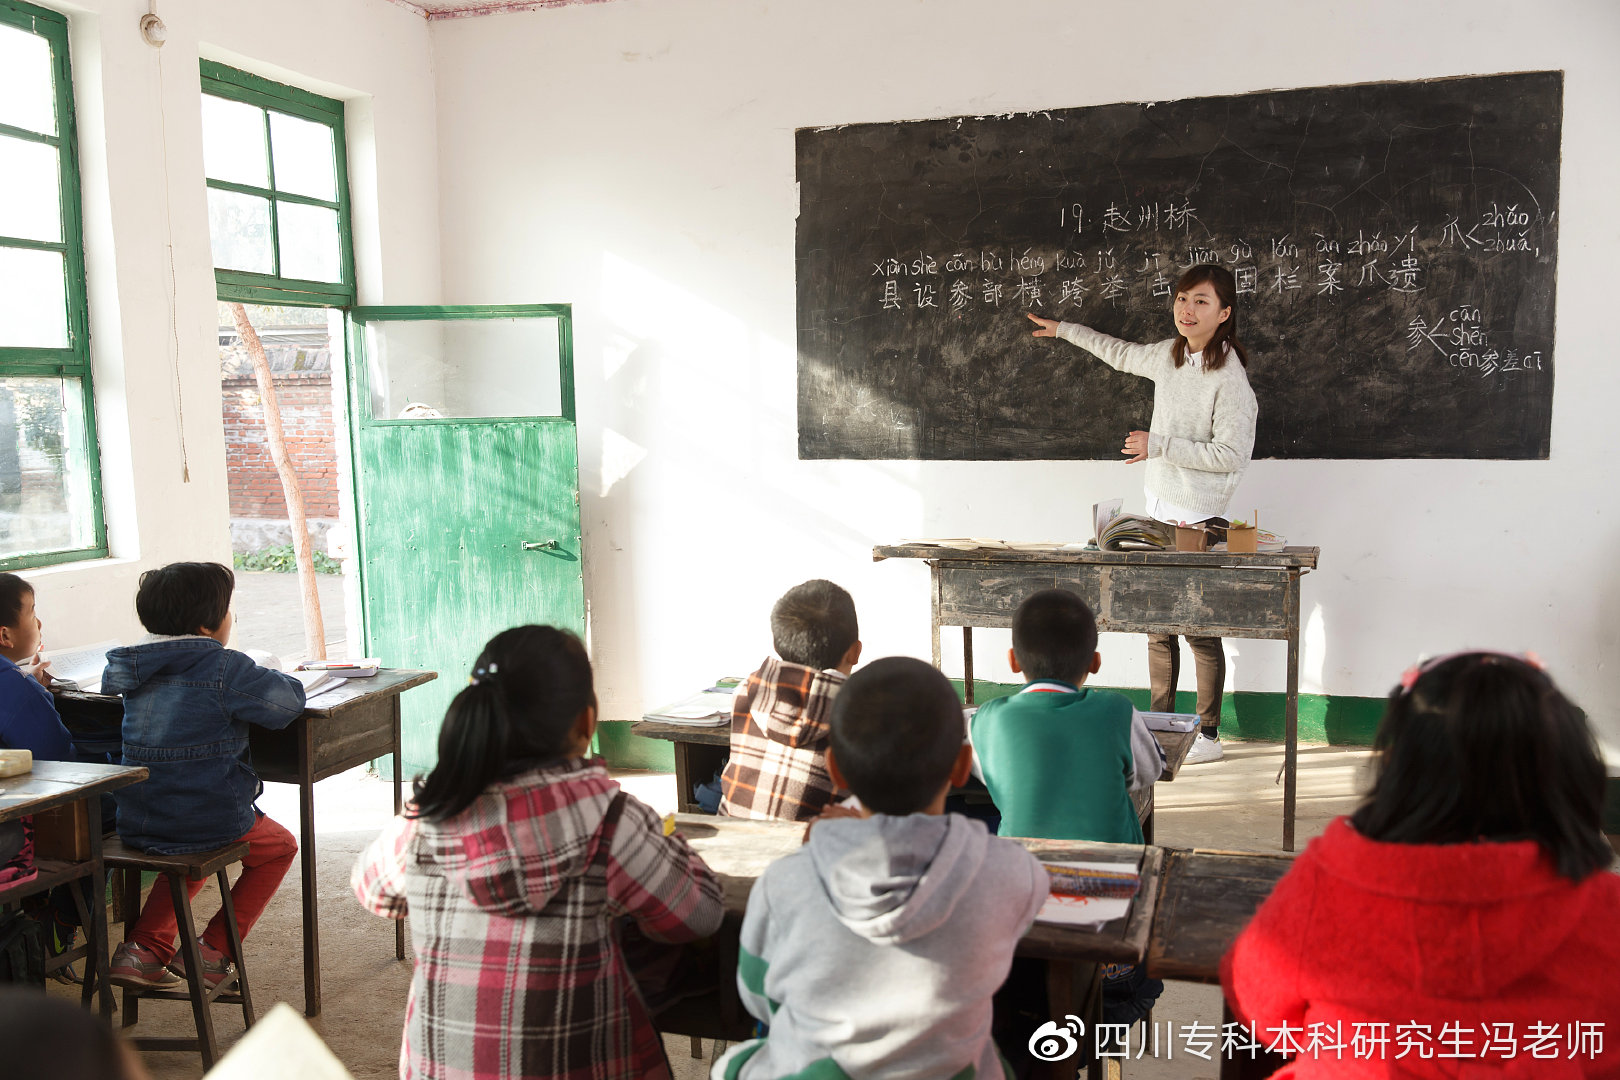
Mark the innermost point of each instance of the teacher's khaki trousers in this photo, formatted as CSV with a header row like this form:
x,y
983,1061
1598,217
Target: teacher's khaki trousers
x,y
1164,666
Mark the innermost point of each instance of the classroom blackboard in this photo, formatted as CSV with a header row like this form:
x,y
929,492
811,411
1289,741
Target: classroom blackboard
x,y
1394,244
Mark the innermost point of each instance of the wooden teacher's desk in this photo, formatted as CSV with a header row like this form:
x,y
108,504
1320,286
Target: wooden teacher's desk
x,y
355,723
1203,594
77,788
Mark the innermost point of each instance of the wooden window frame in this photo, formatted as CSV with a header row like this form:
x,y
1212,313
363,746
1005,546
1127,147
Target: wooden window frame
x,y
73,361
240,286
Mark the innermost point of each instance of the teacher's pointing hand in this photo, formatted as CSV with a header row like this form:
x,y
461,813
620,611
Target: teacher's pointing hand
x,y
1043,327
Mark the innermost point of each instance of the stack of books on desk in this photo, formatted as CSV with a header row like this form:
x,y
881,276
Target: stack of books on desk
x,y
709,708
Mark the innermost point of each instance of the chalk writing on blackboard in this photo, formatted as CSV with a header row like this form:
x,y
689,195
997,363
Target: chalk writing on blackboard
x,y
1393,245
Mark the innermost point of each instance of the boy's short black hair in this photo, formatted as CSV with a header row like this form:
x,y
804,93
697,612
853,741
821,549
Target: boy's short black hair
x,y
184,597
1054,636
814,624
12,591
896,730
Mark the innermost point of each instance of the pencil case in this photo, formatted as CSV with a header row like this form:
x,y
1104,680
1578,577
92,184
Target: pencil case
x,y
1111,884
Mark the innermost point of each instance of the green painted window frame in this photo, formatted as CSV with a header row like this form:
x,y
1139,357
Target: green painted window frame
x,y
72,362
360,316
240,286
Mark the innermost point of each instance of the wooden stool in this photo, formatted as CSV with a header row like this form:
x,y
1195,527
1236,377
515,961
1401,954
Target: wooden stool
x,y
177,870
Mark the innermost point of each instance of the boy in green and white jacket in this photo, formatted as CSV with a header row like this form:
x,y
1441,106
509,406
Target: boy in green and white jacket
x,y
1060,760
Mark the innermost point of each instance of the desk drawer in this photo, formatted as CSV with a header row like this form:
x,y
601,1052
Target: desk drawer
x,y
1214,601
63,832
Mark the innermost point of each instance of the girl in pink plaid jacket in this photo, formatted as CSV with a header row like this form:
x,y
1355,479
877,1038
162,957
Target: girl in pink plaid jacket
x,y
515,860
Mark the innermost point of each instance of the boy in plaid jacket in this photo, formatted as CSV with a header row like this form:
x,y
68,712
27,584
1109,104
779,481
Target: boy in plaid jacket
x,y
780,718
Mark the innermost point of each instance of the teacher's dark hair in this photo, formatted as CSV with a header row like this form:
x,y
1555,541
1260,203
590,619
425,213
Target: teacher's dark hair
x,y
1483,746
1225,338
528,687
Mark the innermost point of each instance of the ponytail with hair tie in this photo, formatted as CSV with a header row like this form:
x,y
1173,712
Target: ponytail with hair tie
x,y
518,709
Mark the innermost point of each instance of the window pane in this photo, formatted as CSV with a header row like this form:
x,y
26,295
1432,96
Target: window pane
x,y
233,142
464,368
30,191
45,492
33,299
240,227
309,242
302,150
27,97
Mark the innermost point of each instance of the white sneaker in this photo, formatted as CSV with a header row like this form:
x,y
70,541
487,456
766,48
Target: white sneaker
x,y
1204,749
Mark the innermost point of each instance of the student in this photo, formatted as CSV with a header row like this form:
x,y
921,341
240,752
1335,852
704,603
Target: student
x,y
45,1036
1060,760
1197,447
874,950
1468,891
779,719
28,717
188,701
514,860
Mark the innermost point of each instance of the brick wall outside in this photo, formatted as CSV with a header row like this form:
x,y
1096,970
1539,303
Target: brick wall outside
x,y
306,422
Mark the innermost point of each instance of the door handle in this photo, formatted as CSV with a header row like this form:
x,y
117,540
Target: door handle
x,y
540,545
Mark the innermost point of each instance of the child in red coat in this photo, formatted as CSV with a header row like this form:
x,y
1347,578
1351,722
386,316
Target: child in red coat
x,y
1462,922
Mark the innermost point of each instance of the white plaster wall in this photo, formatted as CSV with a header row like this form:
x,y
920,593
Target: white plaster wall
x,y
153,344
636,159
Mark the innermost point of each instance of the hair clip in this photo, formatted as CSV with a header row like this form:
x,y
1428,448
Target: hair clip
x,y
480,674
1412,674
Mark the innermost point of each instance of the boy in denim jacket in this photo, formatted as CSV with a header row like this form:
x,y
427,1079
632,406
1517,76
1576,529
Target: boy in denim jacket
x,y
188,701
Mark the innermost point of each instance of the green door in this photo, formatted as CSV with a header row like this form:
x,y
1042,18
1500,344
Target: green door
x,y
467,482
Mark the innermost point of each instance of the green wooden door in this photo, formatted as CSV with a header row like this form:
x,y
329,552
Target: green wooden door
x,y
467,482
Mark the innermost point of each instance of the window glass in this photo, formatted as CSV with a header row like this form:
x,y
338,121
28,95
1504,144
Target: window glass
x,y
46,492
33,299
464,368
309,242
303,155
240,227
30,190
26,83
233,142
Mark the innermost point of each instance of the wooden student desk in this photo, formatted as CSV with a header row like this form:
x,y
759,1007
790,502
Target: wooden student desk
x,y
351,725
738,852
1204,594
54,784
1193,904
700,752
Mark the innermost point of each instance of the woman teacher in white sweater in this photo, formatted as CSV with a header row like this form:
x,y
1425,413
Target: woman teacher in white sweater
x,y
1196,448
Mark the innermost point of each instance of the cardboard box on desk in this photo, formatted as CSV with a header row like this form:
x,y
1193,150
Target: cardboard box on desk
x,y
1242,539
1192,538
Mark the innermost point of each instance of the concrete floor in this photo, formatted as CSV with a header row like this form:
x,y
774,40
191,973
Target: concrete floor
x,y
1234,804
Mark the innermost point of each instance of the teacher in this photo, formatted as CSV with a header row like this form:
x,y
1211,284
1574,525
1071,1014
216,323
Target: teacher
x,y
1196,448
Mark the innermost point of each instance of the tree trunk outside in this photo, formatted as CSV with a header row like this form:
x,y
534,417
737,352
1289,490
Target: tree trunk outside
x,y
314,627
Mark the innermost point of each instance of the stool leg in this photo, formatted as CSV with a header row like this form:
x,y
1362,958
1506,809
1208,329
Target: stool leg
x,y
227,909
194,980
87,927
132,911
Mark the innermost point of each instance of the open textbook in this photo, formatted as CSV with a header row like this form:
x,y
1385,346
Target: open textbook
x,y
1118,531
80,668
